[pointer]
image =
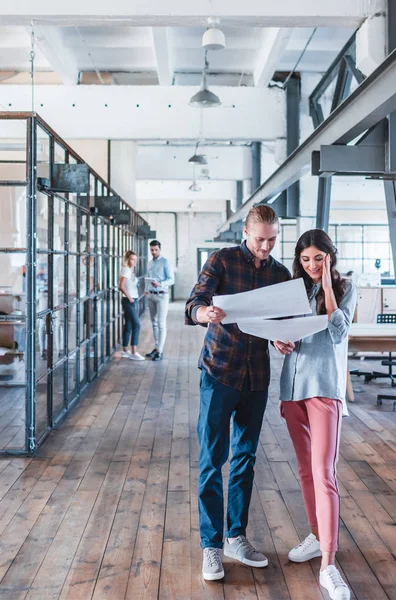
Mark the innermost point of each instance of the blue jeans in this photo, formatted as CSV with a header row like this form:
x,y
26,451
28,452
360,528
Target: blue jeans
x,y
220,403
131,323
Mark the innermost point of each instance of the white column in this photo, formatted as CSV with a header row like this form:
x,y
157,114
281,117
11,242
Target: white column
x,y
371,43
123,169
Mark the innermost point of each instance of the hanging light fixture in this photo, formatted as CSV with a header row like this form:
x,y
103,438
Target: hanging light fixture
x,y
194,187
199,159
213,38
205,98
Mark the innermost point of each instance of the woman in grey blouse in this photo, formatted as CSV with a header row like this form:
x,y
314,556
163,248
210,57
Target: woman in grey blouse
x,y
313,386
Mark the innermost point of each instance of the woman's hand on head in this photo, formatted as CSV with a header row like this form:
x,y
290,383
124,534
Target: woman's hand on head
x,y
327,283
284,347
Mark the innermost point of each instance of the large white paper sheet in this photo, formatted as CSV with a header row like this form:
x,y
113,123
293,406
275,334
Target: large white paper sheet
x,y
285,330
285,299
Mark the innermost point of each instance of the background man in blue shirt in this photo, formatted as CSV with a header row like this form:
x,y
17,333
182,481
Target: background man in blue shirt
x,y
161,272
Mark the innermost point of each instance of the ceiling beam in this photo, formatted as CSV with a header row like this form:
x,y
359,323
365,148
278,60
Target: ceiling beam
x,y
152,112
274,42
266,13
50,42
372,101
162,53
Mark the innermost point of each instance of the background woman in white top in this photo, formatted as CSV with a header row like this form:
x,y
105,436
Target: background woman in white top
x,y
128,286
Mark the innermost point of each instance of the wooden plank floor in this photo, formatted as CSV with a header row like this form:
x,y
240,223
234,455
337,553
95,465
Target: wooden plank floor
x,y
108,510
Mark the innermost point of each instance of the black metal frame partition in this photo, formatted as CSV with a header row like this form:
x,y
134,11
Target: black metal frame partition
x,y
70,322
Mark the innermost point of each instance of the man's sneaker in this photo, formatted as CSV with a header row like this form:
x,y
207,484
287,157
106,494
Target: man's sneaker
x,y
136,356
152,353
332,581
309,548
212,567
158,356
241,549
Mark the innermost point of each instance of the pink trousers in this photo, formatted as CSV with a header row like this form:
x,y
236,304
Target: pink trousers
x,y
314,425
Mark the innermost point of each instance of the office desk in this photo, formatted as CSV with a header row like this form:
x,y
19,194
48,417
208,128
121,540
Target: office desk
x,y
370,337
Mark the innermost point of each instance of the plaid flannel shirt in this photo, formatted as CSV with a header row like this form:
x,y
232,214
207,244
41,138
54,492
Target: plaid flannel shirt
x,y
229,355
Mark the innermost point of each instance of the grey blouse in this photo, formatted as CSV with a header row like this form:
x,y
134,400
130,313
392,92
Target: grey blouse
x,y
318,365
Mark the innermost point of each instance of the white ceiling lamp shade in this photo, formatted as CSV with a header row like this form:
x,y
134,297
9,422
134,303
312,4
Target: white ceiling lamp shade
x,y
194,187
213,38
205,98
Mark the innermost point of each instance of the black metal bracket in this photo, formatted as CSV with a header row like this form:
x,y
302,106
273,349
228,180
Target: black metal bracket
x,y
70,178
146,232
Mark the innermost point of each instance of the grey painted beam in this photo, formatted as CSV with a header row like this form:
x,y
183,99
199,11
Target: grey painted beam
x,y
323,204
349,160
371,102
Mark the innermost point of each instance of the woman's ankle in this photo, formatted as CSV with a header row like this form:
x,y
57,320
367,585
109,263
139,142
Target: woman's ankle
x,y
328,560
315,532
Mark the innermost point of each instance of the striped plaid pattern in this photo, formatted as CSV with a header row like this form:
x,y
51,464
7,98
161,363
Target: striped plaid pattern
x,y
229,355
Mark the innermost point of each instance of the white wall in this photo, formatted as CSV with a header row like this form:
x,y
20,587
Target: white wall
x,y
123,169
169,162
94,152
178,190
194,229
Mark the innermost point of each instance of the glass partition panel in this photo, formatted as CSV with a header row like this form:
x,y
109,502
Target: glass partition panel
x,y
42,221
12,284
58,279
84,364
41,346
58,333
41,282
13,354
58,390
42,405
59,224
43,153
73,233
13,421
72,384
13,216
72,327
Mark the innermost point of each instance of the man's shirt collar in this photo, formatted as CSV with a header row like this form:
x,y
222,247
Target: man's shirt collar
x,y
250,257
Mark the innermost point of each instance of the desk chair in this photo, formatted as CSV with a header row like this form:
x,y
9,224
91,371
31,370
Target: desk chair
x,y
389,319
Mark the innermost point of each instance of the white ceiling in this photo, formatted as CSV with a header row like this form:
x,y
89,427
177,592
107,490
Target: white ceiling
x,y
129,52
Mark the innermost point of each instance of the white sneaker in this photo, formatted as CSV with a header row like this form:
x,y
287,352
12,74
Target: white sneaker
x,y
308,549
212,567
136,356
332,581
126,354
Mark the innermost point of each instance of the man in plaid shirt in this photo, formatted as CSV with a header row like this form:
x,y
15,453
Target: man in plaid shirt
x,y
235,373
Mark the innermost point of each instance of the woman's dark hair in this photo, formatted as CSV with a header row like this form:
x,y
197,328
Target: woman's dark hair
x,y
319,239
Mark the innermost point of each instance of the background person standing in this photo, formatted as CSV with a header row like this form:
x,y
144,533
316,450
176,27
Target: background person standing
x,y
128,287
161,271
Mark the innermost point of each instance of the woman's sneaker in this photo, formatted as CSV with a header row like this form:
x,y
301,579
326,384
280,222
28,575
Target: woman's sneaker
x,y
136,356
308,549
127,354
212,567
332,581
